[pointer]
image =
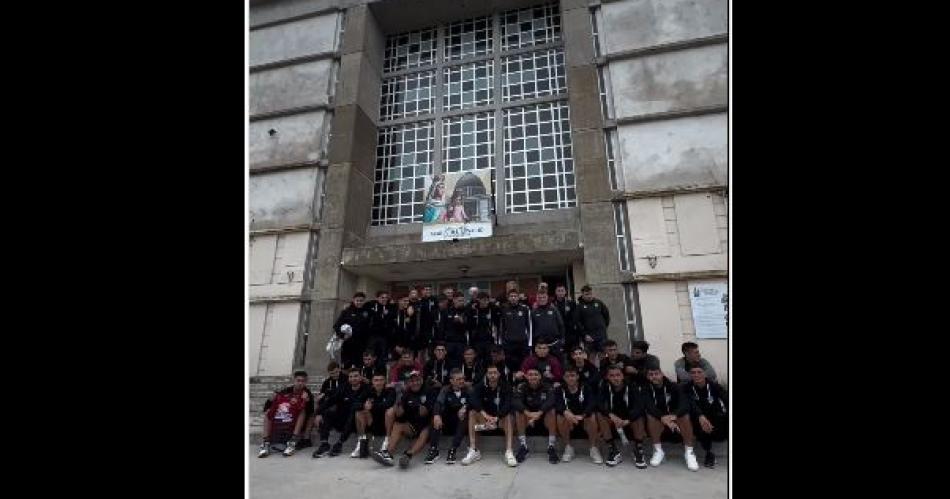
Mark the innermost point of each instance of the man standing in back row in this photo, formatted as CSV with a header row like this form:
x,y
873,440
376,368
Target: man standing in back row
x,y
592,319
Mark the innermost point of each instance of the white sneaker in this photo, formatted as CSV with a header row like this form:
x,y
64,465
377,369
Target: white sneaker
x,y
510,458
691,460
291,448
472,456
657,458
385,445
568,455
356,451
264,450
595,456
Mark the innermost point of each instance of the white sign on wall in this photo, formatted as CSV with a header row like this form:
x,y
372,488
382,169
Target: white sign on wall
x,y
710,304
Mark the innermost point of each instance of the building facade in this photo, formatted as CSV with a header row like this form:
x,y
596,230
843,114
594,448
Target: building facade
x,y
604,124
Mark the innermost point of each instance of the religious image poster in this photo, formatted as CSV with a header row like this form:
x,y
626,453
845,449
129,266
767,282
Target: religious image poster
x,y
458,206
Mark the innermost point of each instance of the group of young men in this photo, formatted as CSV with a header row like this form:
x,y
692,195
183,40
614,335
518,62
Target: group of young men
x,y
422,370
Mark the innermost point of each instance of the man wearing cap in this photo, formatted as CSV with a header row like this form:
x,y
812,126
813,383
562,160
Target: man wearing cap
x,y
413,413
592,319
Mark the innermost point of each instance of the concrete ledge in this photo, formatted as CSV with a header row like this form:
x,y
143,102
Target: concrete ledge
x,y
296,60
666,115
621,195
674,276
664,47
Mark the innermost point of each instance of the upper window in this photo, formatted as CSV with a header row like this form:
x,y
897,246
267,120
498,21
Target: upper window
x,y
484,92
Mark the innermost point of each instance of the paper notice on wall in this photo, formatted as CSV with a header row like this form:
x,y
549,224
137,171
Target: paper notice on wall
x,y
710,304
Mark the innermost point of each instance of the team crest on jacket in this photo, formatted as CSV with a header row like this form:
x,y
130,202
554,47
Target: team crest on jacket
x,y
597,305
550,312
519,313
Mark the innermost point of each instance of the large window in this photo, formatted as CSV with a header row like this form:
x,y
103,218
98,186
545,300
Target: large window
x,y
485,92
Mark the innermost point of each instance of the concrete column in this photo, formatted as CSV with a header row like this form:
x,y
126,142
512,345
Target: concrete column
x,y
352,152
590,162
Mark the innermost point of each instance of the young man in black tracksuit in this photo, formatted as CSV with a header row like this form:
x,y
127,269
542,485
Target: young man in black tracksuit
x,y
567,307
576,407
456,330
405,329
436,371
621,410
498,360
384,324
588,372
450,415
612,356
440,319
533,400
353,326
548,326
426,308
369,366
489,409
667,410
591,319
471,367
338,412
483,322
707,411
412,416
374,419
516,334
640,360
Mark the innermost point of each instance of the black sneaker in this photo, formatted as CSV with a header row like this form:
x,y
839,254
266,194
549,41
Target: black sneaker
x,y
710,460
404,461
450,458
552,455
638,460
337,449
364,448
614,456
383,457
322,450
432,456
522,453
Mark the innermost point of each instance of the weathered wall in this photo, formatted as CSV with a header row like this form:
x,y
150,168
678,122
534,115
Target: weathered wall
x,y
304,37
641,24
665,73
290,87
284,198
301,85
272,337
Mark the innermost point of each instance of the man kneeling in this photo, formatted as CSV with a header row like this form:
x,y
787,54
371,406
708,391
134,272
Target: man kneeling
x,y
489,410
411,418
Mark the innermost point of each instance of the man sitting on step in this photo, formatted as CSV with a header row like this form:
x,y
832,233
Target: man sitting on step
x,y
286,414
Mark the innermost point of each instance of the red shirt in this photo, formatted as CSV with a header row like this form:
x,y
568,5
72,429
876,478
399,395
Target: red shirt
x,y
288,406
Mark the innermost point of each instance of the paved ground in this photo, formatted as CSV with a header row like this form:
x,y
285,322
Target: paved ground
x,y
342,477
